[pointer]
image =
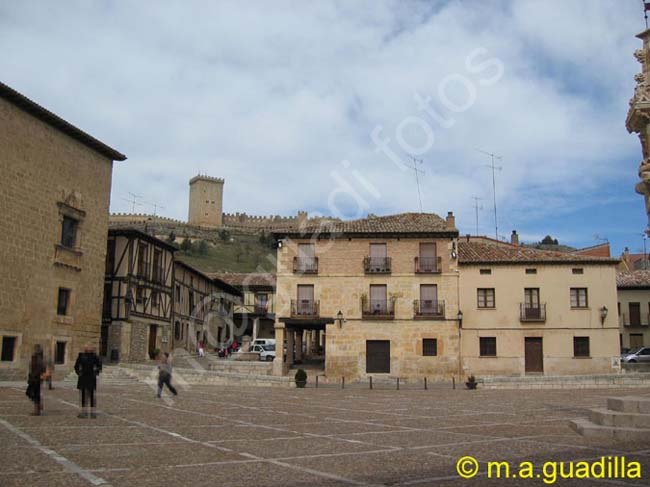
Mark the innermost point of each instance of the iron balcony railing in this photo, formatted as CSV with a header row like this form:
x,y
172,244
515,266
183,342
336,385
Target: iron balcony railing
x,y
376,265
304,308
428,265
377,308
305,265
626,320
429,309
533,312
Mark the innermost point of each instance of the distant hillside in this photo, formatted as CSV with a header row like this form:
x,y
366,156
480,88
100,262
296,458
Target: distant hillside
x,y
245,253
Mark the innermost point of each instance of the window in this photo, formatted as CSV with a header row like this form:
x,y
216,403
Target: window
x,y
306,261
69,232
378,299
531,271
578,297
178,293
157,266
143,265
581,346
428,259
578,270
177,330
110,257
139,295
155,299
429,299
63,302
486,271
191,302
8,349
429,347
488,346
261,303
59,353
305,300
531,298
485,298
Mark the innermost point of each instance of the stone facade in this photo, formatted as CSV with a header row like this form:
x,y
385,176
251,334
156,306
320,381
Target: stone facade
x,y
634,308
49,174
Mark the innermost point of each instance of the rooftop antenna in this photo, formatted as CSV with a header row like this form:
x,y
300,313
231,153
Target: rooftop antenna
x,y
133,200
477,207
417,172
494,186
156,207
602,239
645,253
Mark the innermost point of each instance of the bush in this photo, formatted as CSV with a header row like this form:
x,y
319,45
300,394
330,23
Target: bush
x,y
203,247
300,378
224,235
186,246
471,382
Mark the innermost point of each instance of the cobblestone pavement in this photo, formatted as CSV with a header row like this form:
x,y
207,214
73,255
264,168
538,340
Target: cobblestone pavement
x,y
230,436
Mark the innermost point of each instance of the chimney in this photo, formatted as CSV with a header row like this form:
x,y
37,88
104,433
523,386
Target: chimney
x,y
451,221
514,238
626,254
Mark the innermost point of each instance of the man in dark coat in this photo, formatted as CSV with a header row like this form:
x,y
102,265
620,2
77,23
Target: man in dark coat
x,y
88,366
36,371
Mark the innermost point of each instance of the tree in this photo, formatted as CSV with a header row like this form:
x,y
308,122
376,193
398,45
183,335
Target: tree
x,y
172,237
224,235
548,240
203,247
186,245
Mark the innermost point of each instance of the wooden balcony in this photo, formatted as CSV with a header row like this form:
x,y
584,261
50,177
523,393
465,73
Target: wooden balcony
x,y
305,265
377,309
305,308
528,313
376,265
429,310
428,265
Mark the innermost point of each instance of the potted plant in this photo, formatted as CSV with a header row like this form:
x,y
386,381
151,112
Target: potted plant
x,y
154,354
471,382
301,378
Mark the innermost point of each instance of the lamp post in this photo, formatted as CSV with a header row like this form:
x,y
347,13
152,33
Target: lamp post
x,y
460,318
603,314
339,319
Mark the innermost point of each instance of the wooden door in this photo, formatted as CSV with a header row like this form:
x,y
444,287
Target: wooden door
x,y
635,314
534,354
153,332
378,356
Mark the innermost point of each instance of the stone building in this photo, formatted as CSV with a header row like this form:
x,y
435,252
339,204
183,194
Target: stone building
x,y
403,296
138,301
254,315
206,201
378,295
54,199
535,311
203,308
634,308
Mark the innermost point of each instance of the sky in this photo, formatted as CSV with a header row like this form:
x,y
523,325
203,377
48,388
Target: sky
x,y
326,106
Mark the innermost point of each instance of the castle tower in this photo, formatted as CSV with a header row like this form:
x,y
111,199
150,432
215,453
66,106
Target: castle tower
x,y
638,117
206,201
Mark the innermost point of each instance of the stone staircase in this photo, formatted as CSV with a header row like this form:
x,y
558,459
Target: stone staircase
x,y
625,418
112,375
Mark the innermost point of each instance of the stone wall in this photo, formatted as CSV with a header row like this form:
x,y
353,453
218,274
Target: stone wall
x,y
46,175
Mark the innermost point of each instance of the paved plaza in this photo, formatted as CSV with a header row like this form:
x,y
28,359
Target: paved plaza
x,y
227,436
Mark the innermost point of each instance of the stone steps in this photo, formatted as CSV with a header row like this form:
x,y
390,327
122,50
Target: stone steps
x,y
625,418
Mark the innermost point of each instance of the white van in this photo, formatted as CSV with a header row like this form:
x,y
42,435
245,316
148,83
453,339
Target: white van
x,y
263,341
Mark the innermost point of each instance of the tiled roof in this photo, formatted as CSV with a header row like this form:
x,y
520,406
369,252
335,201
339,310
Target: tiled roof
x,y
483,250
245,279
634,279
36,110
402,223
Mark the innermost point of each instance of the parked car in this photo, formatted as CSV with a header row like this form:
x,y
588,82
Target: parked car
x,y
263,341
640,355
267,352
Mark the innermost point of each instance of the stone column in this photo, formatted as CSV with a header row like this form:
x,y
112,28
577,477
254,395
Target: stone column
x,y
290,343
299,345
278,362
256,328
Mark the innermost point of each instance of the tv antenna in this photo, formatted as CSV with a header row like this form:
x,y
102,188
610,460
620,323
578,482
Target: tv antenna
x,y
156,207
646,7
134,201
417,172
599,238
494,186
477,207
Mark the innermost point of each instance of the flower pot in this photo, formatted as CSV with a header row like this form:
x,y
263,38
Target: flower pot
x,y
300,384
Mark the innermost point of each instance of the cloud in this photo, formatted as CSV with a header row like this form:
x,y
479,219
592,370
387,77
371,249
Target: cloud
x,y
273,97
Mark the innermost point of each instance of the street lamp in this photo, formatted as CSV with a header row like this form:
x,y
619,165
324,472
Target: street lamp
x,y
340,319
460,319
603,314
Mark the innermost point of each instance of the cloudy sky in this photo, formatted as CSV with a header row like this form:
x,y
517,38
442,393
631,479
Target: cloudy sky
x,y
319,105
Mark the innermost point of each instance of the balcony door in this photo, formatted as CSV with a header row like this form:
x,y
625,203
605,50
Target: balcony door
x,y
531,303
378,301
428,257
635,314
306,257
305,299
378,255
428,298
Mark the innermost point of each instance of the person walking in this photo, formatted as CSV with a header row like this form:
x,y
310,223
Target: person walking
x,y
36,375
50,371
165,375
88,366
201,349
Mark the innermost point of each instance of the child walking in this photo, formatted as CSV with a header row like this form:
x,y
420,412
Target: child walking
x,y
165,375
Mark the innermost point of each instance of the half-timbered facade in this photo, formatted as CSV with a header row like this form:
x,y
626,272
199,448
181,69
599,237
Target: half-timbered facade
x,y
138,302
203,308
